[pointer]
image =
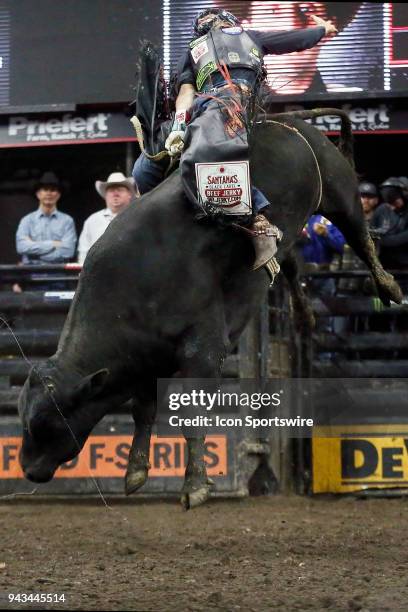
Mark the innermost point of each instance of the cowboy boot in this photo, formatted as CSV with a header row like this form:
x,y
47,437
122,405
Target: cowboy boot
x,y
265,238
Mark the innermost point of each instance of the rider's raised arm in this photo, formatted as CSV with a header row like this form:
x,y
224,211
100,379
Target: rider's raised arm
x,y
289,41
295,40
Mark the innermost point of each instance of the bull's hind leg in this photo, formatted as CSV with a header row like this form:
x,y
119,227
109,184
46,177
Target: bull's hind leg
x,y
144,414
342,206
201,358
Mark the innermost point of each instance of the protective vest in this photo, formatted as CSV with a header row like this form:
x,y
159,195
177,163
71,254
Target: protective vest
x,y
232,45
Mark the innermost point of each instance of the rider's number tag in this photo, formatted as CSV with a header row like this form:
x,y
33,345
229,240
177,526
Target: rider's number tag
x,y
225,185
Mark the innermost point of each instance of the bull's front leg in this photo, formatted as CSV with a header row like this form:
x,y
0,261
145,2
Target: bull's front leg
x,y
202,355
144,414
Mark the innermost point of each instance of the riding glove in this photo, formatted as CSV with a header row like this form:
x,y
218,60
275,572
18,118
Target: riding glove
x,y
175,141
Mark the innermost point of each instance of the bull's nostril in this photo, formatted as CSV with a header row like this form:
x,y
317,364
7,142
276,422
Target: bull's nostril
x,y
29,475
38,476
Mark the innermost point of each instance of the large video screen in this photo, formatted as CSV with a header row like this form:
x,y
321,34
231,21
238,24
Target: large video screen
x,y
4,52
369,54
84,51
74,51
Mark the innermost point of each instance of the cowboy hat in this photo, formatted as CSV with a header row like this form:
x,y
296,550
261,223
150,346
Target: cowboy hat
x,y
48,179
116,178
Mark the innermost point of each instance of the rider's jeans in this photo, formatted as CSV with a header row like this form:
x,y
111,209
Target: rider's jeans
x,y
147,173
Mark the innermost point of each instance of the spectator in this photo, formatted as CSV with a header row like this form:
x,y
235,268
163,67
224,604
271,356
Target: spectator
x,y
321,241
390,220
46,236
118,191
369,199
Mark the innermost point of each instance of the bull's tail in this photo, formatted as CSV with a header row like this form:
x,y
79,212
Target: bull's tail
x,y
345,143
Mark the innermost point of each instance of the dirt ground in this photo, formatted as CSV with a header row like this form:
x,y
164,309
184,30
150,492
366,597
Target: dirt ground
x,y
269,553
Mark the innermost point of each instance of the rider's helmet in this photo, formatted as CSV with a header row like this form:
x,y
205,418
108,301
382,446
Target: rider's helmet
x,y
222,14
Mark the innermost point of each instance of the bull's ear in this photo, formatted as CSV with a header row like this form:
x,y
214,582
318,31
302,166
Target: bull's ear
x,y
92,384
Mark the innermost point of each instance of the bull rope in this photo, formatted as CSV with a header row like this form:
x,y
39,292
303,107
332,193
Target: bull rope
x,y
139,133
296,131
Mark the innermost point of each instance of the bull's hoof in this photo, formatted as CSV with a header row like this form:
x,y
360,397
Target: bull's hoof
x,y
135,480
396,293
197,497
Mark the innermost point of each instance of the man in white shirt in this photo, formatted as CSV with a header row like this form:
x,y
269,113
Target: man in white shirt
x,y
118,192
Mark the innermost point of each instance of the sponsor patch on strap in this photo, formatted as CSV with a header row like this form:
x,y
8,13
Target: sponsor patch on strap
x,y
199,50
204,72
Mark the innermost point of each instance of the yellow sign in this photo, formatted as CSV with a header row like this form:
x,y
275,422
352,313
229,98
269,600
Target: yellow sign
x,y
358,457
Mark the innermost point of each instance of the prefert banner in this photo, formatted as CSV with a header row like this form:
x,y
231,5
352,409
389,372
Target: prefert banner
x,y
367,118
68,128
360,457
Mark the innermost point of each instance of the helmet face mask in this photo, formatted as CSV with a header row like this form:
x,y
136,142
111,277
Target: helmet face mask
x,y
207,25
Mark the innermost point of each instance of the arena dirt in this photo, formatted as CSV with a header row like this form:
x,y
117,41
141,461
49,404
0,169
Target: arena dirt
x,y
275,553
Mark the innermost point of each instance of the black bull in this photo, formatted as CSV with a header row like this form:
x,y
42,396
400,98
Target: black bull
x,y
162,294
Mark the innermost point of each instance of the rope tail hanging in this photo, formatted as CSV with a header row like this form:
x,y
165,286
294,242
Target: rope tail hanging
x,y
139,133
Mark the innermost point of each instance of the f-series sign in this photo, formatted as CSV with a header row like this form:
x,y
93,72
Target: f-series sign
x,y
106,456
68,127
